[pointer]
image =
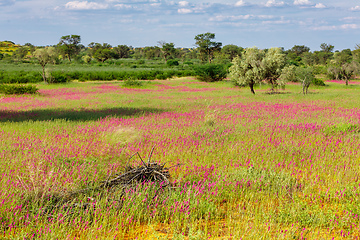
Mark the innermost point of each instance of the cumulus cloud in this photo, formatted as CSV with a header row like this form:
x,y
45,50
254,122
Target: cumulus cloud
x,y
123,6
349,26
324,28
273,3
183,3
302,2
320,5
85,5
356,8
184,10
221,18
240,3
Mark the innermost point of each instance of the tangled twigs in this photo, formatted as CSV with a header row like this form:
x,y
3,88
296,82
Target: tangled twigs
x,y
148,172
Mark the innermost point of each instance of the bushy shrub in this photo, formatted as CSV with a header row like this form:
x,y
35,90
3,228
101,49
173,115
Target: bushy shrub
x,y
210,72
18,89
172,62
132,83
160,76
318,82
58,77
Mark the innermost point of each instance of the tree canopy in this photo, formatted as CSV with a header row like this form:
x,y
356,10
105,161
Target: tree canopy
x,y
206,46
69,45
256,65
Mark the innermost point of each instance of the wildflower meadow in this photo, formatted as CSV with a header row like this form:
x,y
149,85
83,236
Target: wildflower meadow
x,y
242,166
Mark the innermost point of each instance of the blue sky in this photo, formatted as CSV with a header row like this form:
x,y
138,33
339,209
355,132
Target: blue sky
x,y
261,23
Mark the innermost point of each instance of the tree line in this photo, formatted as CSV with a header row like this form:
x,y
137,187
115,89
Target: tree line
x,y
273,65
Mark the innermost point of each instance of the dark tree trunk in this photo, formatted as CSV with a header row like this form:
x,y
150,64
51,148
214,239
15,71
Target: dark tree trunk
x,y
251,85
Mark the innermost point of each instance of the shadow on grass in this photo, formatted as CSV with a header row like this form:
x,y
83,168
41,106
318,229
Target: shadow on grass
x,y
73,115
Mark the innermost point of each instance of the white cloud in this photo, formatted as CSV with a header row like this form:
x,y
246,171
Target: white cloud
x,y
324,28
350,19
155,4
221,18
302,2
356,8
183,3
277,22
184,10
123,6
349,26
85,5
240,3
320,5
273,3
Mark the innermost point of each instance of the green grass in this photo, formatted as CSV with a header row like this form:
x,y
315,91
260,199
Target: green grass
x,y
280,166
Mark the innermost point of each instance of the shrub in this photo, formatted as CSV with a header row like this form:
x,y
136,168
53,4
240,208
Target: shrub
x,y
132,83
18,89
318,82
210,72
172,62
160,76
58,77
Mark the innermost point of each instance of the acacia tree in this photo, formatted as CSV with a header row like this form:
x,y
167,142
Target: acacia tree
x,y
122,51
343,67
45,56
272,65
167,49
298,74
69,45
103,52
257,65
231,51
247,70
206,46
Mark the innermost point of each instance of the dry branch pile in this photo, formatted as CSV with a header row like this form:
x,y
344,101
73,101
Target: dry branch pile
x,y
114,187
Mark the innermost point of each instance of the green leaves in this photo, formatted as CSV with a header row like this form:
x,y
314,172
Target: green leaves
x,y
256,65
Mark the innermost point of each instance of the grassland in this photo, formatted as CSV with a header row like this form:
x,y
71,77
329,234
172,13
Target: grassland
x,y
280,166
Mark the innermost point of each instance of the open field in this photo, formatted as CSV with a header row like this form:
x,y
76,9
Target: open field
x,y
280,166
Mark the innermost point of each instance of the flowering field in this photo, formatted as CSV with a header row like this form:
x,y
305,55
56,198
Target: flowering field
x,y
280,166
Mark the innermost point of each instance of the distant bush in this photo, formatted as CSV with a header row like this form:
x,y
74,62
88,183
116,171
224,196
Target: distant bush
x,y
188,63
132,83
58,77
18,89
94,75
160,76
172,62
210,72
318,82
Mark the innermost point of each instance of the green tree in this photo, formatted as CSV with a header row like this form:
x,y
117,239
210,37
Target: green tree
x,y
103,52
206,46
231,51
343,67
168,50
152,52
272,65
45,56
20,53
69,45
210,72
299,49
304,75
257,65
326,47
344,71
122,51
345,56
247,69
